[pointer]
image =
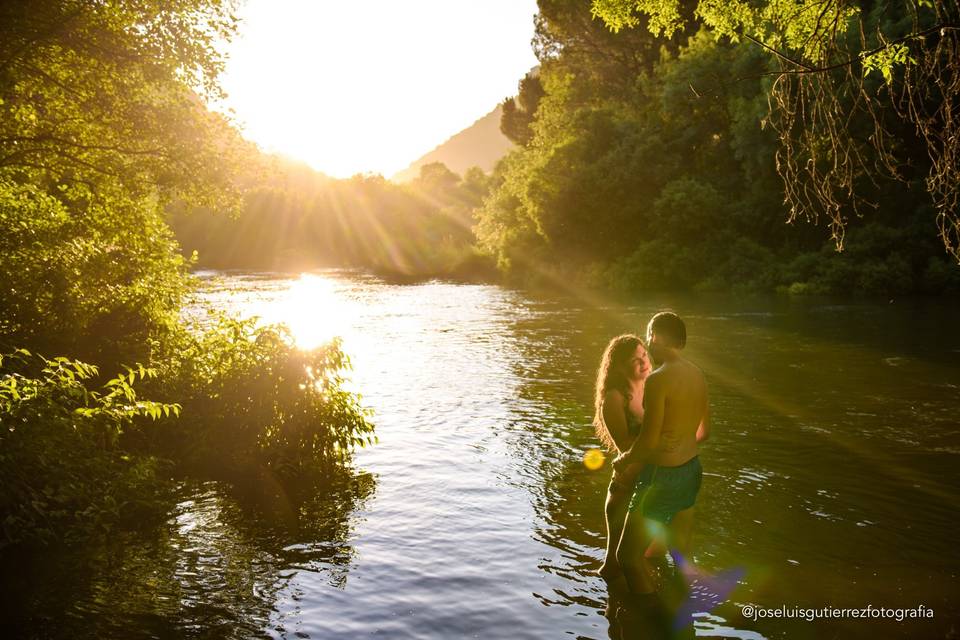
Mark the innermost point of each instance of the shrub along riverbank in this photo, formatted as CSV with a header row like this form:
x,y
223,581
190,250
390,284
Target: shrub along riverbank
x,y
80,456
104,129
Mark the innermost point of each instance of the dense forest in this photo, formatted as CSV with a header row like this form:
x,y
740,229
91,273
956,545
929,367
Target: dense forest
x,y
653,162
654,151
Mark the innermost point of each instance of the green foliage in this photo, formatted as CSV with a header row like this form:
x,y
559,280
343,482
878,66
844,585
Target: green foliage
x,y
886,59
520,112
875,263
505,229
664,15
252,400
102,123
62,474
104,100
103,130
667,178
76,460
99,284
795,26
656,266
840,131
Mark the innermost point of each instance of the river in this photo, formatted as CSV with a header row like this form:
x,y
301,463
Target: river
x,y
830,478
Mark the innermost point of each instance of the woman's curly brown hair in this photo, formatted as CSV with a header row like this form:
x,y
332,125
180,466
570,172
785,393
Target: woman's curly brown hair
x,y
611,375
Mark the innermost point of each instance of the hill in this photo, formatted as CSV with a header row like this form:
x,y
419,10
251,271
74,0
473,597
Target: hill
x,y
481,144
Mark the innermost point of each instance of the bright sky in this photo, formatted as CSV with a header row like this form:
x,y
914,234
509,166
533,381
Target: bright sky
x,y
371,85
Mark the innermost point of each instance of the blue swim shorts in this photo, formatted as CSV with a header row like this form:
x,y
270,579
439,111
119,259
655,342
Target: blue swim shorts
x,y
660,492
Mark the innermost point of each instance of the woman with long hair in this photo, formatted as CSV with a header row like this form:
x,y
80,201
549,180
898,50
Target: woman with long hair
x,y
618,414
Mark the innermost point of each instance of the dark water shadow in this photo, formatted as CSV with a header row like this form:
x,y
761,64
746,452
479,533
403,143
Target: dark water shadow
x,y
217,568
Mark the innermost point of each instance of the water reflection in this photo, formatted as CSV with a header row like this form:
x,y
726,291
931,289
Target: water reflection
x,y
222,565
310,307
830,479
783,463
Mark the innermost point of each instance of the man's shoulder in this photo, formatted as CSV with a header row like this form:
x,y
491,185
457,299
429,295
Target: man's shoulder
x,y
657,377
671,375
694,368
699,371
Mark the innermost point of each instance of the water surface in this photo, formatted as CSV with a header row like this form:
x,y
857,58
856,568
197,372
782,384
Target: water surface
x,y
831,477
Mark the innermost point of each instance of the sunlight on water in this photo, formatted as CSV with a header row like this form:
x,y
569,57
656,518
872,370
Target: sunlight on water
x,y
480,511
311,308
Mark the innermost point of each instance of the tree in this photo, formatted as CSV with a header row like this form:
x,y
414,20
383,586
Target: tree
x,y
102,124
437,177
837,63
518,113
114,90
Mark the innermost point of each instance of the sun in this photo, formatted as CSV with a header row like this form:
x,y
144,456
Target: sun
x,y
312,310
370,86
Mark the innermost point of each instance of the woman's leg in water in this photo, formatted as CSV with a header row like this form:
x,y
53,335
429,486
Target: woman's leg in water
x,y
615,513
657,548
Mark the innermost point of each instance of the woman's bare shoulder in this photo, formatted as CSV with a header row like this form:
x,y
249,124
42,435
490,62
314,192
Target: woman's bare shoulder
x,y
614,400
613,395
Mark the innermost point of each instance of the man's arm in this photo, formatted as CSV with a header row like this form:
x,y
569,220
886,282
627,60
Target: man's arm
x,y
703,431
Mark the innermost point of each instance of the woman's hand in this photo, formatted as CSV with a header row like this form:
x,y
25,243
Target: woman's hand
x,y
619,486
624,471
620,463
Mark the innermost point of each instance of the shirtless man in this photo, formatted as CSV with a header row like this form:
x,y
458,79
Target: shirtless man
x,y
663,460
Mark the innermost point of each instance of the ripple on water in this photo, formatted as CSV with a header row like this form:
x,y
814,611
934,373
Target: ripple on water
x,y
477,517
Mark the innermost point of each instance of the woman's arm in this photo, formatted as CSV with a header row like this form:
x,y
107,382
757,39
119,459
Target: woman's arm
x,y
646,444
615,419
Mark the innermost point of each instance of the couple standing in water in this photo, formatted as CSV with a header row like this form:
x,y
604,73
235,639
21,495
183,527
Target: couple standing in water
x,y
651,408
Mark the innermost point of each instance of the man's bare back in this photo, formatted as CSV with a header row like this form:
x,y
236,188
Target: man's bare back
x,y
683,392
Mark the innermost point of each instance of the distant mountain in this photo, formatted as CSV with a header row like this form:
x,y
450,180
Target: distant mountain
x,y
481,145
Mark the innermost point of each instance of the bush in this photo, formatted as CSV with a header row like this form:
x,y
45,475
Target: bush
x,y
80,282
62,473
656,266
75,461
941,275
251,400
741,266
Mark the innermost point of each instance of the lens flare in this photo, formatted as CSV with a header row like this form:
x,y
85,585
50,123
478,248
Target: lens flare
x,y
593,459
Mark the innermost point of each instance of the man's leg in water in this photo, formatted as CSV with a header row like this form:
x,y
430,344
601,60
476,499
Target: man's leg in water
x,y
656,555
657,548
615,512
631,554
680,537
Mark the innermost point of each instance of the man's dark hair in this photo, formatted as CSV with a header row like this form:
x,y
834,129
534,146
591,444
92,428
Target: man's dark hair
x,y
670,326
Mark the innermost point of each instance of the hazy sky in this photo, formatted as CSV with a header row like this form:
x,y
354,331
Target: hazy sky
x,y
371,85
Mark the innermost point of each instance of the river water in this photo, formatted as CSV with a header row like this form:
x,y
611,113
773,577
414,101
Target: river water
x,y
831,478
